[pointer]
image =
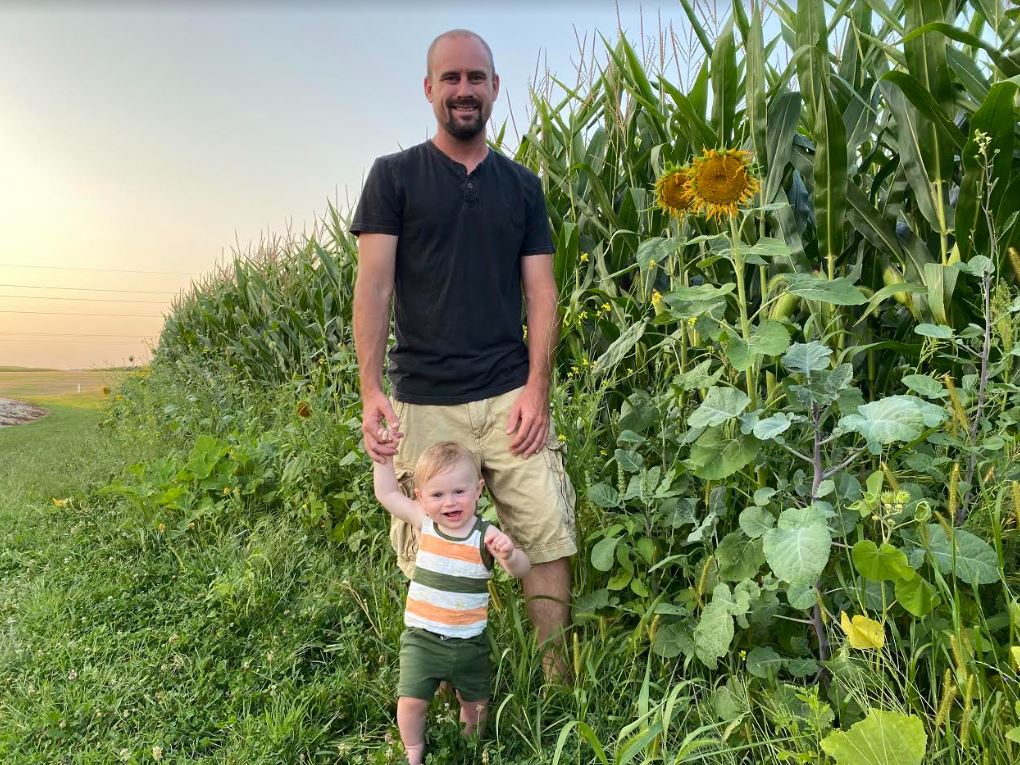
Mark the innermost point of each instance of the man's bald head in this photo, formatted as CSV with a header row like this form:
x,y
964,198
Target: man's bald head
x,y
453,33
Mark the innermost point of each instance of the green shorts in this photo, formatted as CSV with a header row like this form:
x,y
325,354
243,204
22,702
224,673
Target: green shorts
x,y
426,659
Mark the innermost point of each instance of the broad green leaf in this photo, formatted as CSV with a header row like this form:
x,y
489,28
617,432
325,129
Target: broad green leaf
x,y
839,291
925,385
893,419
764,662
917,596
807,357
699,377
939,331
739,557
604,495
714,633
629,460
768,339
801,596
797,550
656,251
881,738
975,561
673,639
763,496
715,456
638,412
773,426
620,347
801,667
604,553
720,405
755,521
885,563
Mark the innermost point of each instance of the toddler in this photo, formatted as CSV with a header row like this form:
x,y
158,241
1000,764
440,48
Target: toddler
x,y
447,602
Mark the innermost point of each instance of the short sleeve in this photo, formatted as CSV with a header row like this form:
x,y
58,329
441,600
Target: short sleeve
x,y
537,236
380,208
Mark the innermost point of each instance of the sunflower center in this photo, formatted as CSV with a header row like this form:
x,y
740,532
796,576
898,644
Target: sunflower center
x,y
672,191
722,180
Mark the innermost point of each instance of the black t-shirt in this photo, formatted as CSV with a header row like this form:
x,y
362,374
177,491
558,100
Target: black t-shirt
x,y
457,287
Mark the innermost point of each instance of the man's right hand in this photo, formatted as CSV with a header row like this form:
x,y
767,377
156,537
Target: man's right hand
x,y
379,426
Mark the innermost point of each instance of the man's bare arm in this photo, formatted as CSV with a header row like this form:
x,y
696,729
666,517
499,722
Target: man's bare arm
x,y
529,416
373,293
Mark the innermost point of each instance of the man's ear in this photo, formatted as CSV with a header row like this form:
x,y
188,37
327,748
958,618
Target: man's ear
x,y
427,85
495,85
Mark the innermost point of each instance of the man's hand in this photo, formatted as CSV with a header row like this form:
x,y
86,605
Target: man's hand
x,y
379,426
500,546
529,417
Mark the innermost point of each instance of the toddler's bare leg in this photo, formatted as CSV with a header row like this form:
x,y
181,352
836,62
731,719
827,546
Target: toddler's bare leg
x,y
473,715
411,721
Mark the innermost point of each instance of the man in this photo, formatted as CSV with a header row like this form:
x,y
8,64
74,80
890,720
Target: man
x,y
452,231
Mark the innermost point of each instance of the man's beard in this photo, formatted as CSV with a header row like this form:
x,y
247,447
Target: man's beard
x,y
464,130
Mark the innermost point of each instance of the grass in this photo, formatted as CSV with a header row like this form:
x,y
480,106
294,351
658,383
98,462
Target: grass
x,y
41,385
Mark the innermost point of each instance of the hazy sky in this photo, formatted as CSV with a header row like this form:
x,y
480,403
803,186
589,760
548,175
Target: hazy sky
x,y
150,137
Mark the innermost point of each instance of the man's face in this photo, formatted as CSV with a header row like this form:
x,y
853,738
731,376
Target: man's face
x,y
461,86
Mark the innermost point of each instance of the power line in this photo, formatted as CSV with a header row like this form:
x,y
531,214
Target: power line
x,y
82,268
84,300
58,313
87,289
68,342
70,334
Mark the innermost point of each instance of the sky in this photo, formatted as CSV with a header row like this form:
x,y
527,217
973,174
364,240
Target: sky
x,y
140,143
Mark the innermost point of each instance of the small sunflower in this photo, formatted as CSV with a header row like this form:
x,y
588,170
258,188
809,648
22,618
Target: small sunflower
x,y
719,181
672,193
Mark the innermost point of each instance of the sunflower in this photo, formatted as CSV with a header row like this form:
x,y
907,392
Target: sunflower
x,y
671,191
718,182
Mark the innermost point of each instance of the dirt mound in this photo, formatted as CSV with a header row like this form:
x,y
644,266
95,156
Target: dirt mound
x,y
14,412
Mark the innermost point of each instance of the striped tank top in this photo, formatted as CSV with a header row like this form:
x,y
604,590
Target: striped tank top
x,y
449,592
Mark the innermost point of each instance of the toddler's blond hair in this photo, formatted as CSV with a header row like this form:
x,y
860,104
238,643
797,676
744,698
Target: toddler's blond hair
x,y
439,458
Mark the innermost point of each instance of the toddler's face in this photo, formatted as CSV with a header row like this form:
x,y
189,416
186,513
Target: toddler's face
x,y
450,498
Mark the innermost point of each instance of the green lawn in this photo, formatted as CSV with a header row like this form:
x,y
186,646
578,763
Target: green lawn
x,y
117,645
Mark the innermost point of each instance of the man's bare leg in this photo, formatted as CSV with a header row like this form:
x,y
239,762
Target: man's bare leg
x,y
411,721
547,594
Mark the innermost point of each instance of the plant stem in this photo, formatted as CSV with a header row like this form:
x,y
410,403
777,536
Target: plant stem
x,y
986,349
745,325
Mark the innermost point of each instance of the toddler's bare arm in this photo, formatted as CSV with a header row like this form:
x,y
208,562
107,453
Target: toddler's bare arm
x,y
390,496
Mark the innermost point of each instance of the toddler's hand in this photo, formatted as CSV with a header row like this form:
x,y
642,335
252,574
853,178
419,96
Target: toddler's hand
x,y
500,546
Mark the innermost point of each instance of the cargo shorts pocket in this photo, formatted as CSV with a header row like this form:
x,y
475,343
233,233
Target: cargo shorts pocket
x,y
555,459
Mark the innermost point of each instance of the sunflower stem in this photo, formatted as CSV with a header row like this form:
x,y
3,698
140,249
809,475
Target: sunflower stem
x,y
745,324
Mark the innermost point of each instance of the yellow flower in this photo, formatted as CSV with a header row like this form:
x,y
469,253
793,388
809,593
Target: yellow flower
x,y
720,181
606,308
561,438
584,257
61,502
672,191
656,298
861,632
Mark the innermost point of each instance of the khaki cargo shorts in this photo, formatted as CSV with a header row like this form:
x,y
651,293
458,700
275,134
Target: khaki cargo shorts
x,y
533,496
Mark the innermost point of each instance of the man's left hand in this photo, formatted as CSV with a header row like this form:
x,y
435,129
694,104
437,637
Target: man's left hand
x,y
529,421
